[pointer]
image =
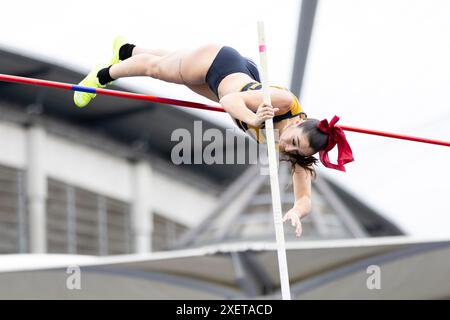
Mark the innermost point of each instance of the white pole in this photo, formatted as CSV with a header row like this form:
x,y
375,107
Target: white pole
x,y
273,169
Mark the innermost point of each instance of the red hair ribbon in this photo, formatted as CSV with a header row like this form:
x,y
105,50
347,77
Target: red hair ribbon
x,y
336,136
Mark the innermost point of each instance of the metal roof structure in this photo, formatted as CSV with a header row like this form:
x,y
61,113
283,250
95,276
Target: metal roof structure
x,y
410,268
244,213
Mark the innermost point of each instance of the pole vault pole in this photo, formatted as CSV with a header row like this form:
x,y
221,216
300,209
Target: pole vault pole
x,y
273,170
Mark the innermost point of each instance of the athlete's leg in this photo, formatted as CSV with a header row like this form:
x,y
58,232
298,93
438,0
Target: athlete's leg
x,y
155,52
138,65
181,67
201,89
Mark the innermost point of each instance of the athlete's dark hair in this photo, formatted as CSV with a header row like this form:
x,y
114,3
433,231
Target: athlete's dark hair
x,y
317,142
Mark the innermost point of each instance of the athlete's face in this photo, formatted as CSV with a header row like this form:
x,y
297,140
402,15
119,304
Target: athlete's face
x,y
293,140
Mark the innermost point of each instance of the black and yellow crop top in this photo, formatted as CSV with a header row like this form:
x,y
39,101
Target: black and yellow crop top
x,y
256,132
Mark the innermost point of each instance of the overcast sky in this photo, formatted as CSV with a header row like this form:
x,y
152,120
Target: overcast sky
x,y
379,64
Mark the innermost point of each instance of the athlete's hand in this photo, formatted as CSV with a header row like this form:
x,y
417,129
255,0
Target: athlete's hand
x,y
294,215
263,113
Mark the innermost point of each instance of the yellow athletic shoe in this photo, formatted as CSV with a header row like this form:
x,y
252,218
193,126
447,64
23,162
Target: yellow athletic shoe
x,y
118,42
82,99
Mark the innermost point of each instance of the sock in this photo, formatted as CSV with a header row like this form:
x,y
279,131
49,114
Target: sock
x,y
126,51
104,77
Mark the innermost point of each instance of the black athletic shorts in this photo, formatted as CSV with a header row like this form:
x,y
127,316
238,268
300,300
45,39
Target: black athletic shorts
x,y
229,61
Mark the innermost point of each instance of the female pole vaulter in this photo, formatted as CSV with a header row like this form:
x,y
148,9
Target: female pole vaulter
x,y
223,75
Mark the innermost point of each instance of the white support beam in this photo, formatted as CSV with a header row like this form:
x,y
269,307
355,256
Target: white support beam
x,y
37,188
141,207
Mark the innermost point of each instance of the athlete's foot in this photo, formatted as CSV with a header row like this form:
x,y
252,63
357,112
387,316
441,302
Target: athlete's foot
x,y
82,99
118,42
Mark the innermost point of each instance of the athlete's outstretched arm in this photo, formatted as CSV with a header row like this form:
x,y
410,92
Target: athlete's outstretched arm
x,y
301,179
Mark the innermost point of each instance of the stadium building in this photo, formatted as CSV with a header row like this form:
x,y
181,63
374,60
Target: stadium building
x,y
96,189
100,180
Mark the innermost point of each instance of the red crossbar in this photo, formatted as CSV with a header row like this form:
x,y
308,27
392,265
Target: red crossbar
x,y
189,104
